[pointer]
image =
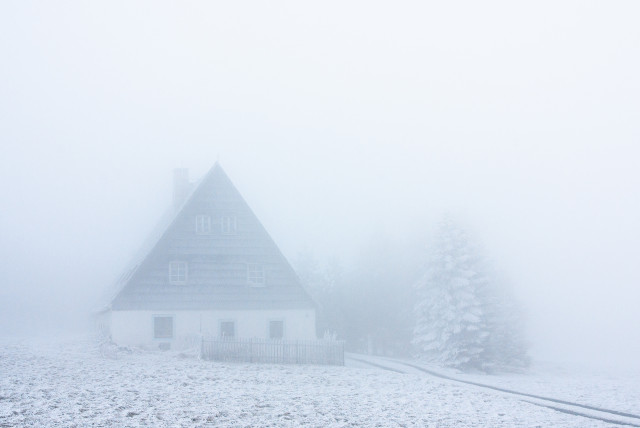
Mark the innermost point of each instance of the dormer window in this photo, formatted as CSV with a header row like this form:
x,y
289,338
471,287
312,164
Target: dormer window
x,y
178,272
203,224
229,224
255,275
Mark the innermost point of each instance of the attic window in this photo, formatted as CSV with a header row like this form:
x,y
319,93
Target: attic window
x,y
178,273
228,224
255,275
203,224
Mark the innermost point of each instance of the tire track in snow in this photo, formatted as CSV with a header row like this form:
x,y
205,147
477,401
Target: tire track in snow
x,y
377,365
523,394
571,412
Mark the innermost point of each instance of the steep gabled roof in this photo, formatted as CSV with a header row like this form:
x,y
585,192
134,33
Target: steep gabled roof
x,y
217,262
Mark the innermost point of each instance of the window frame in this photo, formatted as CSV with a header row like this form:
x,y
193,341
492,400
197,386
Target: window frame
x,y
228,225
281,321
177,280
173,327
251,278
203,224
227,321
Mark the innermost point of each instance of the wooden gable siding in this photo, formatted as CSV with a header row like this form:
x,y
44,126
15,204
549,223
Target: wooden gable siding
x,y
217,263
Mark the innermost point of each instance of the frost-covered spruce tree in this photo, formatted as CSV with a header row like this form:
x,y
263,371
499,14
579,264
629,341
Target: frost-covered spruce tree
x,y
451,327
465,317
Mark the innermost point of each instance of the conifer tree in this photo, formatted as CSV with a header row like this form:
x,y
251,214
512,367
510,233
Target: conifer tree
x,y
465,318
451,326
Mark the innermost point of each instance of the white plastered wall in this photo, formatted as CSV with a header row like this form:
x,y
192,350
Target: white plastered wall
x,y
135,328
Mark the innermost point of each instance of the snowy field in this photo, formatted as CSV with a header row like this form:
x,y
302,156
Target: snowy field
x,y
70,384
612,388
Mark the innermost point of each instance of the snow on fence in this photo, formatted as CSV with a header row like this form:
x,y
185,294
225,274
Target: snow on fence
x,y
329,352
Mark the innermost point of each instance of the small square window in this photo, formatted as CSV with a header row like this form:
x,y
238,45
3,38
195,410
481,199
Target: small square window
x,y
162,327
276,329
255,275
227,329
203,224
228,225
178,272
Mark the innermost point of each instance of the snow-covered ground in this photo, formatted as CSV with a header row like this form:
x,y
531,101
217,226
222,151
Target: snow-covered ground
x,y
72,384
611,388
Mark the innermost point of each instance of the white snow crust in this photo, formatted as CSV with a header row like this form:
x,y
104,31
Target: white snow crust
x,y
72,384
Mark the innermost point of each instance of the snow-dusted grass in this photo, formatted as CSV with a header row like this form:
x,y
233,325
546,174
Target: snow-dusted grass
x,y
611,388
71,384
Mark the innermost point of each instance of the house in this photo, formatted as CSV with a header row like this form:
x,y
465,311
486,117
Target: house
x,y
212,269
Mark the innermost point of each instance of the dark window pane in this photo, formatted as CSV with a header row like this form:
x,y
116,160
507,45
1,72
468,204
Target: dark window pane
x,y
163,327
227,329
276,329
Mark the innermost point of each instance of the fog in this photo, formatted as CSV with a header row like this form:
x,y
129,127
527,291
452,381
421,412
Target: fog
x,y
340,123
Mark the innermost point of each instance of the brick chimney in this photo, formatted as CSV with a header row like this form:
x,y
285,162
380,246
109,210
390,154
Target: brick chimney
x,y
181,186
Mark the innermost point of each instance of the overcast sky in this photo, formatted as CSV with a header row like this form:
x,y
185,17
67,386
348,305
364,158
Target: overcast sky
x,y
339,122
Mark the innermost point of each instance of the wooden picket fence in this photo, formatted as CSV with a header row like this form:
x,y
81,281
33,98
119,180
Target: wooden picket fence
x,y
326,352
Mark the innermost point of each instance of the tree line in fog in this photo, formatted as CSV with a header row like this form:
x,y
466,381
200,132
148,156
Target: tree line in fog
x,y
440,301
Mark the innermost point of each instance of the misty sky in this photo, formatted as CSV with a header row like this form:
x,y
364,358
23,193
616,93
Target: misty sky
x,y
340,123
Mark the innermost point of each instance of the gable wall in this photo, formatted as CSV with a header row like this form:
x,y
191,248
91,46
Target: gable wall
x,y
218,259
217,263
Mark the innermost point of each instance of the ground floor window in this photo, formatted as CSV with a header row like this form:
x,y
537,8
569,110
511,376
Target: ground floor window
x,y
276,329
227,329
163,327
